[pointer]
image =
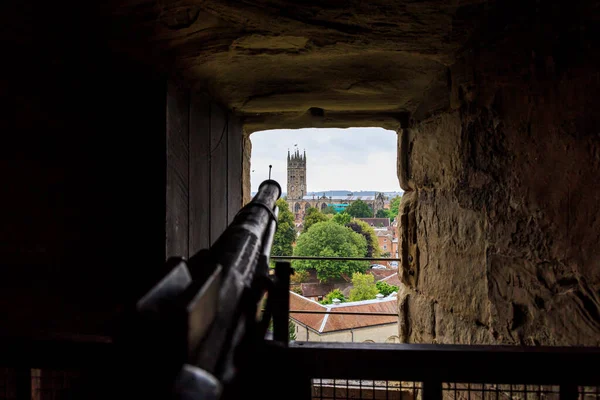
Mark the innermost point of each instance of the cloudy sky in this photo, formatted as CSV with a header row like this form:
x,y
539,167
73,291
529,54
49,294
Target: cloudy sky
x,y
337,159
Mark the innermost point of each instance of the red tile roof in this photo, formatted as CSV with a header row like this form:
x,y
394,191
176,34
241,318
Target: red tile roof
x,y
380,274
330,322
392,280
301,303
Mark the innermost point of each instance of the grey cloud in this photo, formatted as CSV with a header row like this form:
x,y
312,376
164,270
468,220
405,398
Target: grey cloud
x,y
354,158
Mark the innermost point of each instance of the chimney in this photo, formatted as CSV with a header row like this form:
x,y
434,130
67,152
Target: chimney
x,y
379,296
336,301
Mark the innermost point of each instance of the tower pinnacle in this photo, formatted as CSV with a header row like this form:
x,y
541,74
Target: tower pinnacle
x,y
296,175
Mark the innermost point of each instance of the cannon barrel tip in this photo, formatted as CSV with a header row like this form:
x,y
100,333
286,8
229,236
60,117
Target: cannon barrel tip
x,y
271,182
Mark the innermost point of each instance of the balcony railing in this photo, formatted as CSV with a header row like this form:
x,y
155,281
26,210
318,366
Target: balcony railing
x,y
43,369
432,372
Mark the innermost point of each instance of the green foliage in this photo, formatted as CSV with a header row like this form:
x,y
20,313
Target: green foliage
x,y
394,207
359,209
334,294
387,254
298,277
312,217
285,235
361,227
363,287
382,214
297,290
328,210
385,288
328,239
342,218
291,331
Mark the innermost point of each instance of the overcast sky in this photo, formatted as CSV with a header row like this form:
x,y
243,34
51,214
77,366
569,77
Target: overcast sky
x,y
337,159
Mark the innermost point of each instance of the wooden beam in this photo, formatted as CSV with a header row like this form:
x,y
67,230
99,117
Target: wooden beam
x,y
199,161
234,167
177,212
218,171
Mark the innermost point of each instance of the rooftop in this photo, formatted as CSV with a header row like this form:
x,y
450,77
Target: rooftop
x,y
393,279
329,322
385,222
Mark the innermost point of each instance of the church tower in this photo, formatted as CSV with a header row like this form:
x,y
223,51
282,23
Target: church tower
x,y
296,175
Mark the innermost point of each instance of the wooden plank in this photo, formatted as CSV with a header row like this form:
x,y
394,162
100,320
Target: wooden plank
x,y
218,171
177,172
199,188
234,167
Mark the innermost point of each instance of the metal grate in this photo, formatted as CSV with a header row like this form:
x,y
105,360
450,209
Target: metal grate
x,y
589,392
7,384
345,389
51,384
486,391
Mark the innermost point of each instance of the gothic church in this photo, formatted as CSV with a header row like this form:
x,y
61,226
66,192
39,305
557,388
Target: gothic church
x,y
299,201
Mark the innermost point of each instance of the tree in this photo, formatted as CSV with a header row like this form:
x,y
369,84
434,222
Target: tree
x,y
382,214
359,209
285,235
394,207
328,210
291,330
361,227
385,288
328,239
312,217
342,218
386,254
363,287
334,294
297,290
298,277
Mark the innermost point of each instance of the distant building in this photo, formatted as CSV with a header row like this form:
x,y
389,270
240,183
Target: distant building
x,y
385,238
317,291
377,222
387,234
299,202
395,251
329,327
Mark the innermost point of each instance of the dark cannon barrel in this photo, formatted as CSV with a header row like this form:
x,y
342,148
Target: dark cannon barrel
x,y
237,252
242,241
190,324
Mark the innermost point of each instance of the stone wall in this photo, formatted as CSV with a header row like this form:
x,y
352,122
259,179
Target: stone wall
x,y
500,225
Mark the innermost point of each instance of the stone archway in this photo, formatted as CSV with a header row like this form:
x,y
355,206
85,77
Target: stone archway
x,y
323,206
306,206
297,207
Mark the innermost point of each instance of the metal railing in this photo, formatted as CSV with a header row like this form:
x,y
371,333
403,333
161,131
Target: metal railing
x,y
434,372
292,258
318,370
